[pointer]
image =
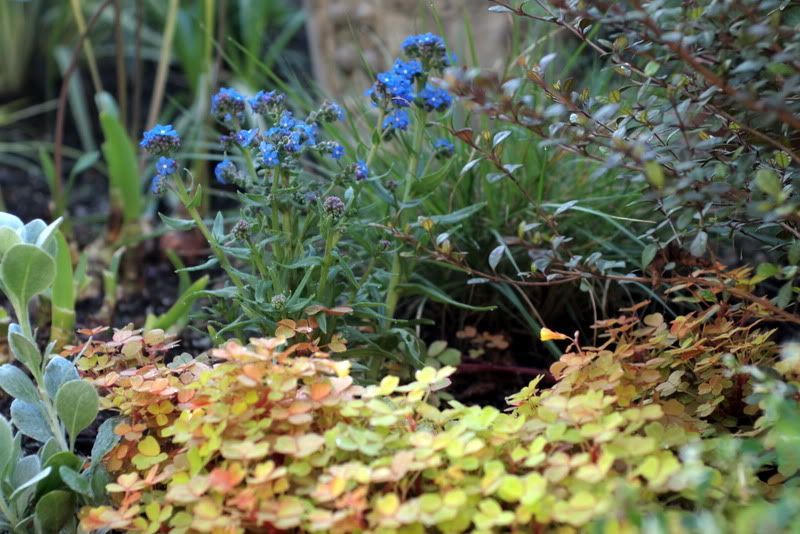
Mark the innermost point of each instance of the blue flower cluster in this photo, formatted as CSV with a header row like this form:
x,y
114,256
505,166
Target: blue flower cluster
x,y
161,140
280,144
406,83
428,48
266,102
226,172
228,105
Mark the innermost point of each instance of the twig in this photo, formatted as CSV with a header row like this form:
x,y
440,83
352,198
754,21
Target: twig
x,y
58,142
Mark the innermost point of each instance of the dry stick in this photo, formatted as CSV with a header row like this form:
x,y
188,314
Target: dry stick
x,y
163,64
58,142
122,77
137,73
83,29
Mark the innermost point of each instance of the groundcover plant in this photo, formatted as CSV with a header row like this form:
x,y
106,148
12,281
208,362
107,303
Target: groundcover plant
x,y
557,296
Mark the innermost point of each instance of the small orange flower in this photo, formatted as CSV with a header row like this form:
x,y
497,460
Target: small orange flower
x,y
550,335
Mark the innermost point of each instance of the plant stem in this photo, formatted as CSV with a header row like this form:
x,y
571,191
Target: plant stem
x,y
8,513
330,241
392,294
23,318
183,196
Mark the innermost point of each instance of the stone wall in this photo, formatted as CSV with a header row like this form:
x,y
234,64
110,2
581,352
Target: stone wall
x,y
343,34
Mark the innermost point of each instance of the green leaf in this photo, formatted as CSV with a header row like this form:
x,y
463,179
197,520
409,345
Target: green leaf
x,y
651,68
437,295
768,182
8,238
496,255
26,271
25,351
17,384
699,244
63,294
123,169
100,478
458,215
179,312
45,239
75,481
105,440
8,220
77,405
648,254
30,420
6,444
53,480
50,448
654,173
179,225
58,372
30,232
34,478
53,511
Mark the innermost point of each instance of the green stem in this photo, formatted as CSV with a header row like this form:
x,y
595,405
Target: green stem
x,y
276,224
248,159
392,293
378,128
9,514
330,241
23,318
52,417
183,196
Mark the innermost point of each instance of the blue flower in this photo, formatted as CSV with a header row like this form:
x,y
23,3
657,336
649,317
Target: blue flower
x,y
337,152
162,139
307,133
294,142
443,148
287,120
269,154
407,69
226,171
396,120
361,170
435,98
166,166
398,88
276,132
245,138
265,102
228,104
